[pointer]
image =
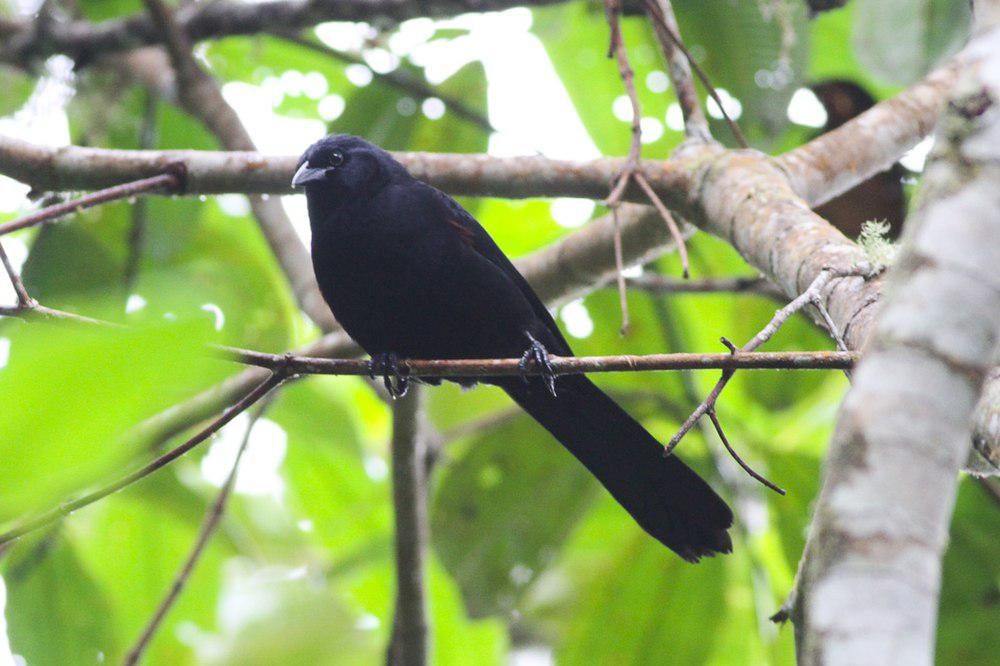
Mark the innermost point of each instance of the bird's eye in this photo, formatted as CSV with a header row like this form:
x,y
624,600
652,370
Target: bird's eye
x,y
336,158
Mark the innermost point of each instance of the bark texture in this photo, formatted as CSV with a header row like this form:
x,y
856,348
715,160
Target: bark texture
x,y
870,581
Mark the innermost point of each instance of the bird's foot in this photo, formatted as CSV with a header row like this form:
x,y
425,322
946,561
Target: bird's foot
x,y
387,366
536,355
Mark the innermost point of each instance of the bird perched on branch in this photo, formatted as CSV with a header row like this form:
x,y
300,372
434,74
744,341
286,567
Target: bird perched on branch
x,y
410,274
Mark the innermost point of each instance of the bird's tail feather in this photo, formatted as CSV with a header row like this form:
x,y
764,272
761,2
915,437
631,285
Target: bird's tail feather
x,y
664,495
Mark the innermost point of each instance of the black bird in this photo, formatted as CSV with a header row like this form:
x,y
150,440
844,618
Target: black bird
x,y
409,273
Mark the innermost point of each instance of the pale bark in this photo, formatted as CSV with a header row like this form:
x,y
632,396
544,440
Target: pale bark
x,y
869,586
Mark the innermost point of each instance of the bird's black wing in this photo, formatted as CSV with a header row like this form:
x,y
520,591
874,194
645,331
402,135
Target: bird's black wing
x,y
474,235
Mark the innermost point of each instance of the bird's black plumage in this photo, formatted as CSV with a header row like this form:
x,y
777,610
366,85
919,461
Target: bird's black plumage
x,y
407,271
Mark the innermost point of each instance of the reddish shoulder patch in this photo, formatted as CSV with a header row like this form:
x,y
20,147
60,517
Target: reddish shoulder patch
x,y
463,232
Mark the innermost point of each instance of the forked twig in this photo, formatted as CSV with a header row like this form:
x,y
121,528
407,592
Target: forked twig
x,y
656,13
812,294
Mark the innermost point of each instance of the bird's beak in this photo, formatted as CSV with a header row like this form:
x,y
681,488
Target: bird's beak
x,y
306,175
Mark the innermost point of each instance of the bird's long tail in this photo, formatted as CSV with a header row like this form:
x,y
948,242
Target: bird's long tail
x,y
665,497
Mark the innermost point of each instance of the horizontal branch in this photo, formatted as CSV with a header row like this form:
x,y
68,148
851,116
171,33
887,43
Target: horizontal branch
x,y
83,40
561,365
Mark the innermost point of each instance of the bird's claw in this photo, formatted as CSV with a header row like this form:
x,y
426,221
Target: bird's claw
x,y
536,355
387,366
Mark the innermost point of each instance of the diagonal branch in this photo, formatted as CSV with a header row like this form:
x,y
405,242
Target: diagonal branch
x,y
200,96
83,41
661,14
208,527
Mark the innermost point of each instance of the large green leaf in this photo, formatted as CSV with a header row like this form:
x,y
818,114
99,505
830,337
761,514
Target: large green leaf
x,y
503,509
72,391
57,613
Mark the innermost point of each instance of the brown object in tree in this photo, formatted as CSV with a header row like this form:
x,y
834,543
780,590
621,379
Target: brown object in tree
x,y
879,198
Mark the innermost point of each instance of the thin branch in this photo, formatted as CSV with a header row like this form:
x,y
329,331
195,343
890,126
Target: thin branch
x,y
165,182
632,169
810,295
661,14
561,365
408,645
658,284
620,272
84,41
35,310
138,221
69,507
746,468
658,18
616,49
200,95
24,301
675,231
397,78
208,527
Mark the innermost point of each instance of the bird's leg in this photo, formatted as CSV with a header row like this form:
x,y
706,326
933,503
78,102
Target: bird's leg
x,y
386,365
537,355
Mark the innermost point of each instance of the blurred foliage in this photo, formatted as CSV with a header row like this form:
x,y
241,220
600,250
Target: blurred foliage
x,y
528,552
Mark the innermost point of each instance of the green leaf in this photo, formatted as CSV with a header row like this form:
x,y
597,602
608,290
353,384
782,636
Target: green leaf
x,y
18,87
73,391
502,511
900,40
57,613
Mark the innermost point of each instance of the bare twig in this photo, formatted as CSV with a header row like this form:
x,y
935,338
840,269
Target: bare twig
x,y
35,310
675,231
620,273
399,78
208,528
561,365
812,294
67,508
725,442
137,227
408,645
656,13
166,182
201,96
661,14
24,301
658,284
632,169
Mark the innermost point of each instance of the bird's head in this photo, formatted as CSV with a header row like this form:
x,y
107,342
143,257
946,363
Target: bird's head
x,y
344,164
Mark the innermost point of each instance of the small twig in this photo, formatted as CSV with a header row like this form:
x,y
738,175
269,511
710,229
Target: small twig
x,y
675,231
24,301
746,468
398,78
620,272
658,284
67,508
208,528
661,14
36,310
655,13
810,295
632,169
616,49
561,365
167,182
138,222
